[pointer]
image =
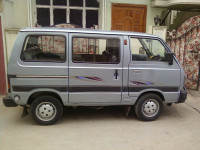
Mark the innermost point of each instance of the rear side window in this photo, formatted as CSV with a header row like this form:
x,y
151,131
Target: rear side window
x,y
44,48
96,50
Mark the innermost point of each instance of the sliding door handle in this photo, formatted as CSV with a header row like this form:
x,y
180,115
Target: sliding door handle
x,y
116,74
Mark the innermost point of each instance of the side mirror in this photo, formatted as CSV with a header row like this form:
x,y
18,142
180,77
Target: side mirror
x,y
169,57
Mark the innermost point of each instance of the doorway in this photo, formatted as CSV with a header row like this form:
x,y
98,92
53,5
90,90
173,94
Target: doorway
x,y
128,17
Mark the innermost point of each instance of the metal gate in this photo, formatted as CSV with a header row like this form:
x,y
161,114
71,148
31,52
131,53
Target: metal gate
x,y
185,43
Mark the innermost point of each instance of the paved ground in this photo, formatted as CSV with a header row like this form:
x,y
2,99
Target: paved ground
x,y
178,128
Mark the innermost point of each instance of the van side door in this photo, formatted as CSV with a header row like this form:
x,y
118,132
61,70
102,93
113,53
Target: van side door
x,y
148,70
95,68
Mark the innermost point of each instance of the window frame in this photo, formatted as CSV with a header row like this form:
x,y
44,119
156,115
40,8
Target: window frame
x,y
25,42
151,38
51,7
95,37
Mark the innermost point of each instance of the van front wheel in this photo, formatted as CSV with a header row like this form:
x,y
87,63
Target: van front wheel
x,y
148,107
46,110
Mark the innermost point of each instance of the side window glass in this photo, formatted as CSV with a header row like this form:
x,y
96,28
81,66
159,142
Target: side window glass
x,y
147,50
96,50
44,48
155,47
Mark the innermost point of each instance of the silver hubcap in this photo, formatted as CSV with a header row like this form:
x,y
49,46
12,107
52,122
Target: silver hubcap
x,y
150,108
46,111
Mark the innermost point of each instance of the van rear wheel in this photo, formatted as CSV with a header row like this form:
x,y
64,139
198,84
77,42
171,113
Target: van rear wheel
x,y
46,110
148,107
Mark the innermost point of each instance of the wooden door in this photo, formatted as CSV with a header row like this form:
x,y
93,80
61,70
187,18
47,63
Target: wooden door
x,y
127,17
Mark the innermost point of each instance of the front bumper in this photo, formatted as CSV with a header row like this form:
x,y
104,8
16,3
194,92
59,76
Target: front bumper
x,y
183,95
9,102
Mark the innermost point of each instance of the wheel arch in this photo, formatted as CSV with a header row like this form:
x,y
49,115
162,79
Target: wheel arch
x,y
34,95
152,92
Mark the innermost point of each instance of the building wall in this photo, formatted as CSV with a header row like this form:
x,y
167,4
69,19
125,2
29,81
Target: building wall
x,y
15,14
1,6
22,13
14,17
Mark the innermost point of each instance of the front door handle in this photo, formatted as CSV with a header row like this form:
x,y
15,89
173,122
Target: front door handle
x,y
116,75
136,71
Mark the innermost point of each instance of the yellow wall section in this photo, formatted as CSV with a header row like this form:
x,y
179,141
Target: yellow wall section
x,y
15,14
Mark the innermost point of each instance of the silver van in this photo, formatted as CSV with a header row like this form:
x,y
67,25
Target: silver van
x,y
50,68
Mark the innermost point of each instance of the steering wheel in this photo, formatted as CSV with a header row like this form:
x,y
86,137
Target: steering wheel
x,y
156,57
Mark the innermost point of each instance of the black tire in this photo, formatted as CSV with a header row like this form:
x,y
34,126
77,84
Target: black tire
x,y
148,107
46,110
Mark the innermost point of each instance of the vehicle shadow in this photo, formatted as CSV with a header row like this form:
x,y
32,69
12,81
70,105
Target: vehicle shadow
x,y
112,113
93,113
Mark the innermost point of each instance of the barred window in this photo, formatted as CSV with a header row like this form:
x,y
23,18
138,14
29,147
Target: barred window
x,y
83,13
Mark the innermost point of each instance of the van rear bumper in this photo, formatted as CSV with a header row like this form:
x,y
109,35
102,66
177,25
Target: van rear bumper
x,y
9,102
183,95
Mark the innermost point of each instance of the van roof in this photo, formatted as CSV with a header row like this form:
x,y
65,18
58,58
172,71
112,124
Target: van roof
x,y
81,30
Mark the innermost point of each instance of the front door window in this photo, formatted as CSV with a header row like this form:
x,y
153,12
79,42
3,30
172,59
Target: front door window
x,y
144,49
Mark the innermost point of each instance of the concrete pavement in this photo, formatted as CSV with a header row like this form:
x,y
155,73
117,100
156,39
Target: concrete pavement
x,y
178,128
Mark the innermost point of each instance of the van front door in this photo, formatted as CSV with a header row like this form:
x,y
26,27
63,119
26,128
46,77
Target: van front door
x,y
95,68
148,70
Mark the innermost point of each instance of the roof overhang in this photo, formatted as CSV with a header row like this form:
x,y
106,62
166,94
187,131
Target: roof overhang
x,y
182,5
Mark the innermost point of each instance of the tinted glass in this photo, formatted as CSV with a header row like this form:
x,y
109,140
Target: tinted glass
x,y
76,17
96,50
92,3
59,16
60,2
43,2
91,18
44,48
43,16
75,2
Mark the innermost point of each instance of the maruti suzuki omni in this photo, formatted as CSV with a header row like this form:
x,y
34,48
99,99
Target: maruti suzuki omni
x,y
51,68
